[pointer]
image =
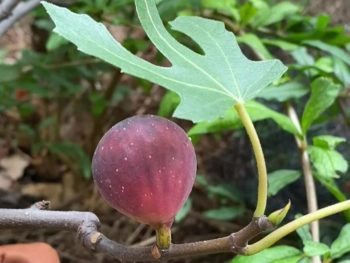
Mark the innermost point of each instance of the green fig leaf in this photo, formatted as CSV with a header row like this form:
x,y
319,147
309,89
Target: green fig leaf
x,y
219,79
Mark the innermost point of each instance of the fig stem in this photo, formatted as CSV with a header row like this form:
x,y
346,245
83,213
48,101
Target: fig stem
x,y
259,157
163,236
286,229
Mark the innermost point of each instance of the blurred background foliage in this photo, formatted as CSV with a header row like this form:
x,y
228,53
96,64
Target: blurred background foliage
x,y
56,103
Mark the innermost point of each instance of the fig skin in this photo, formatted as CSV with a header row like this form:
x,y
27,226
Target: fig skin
x,y
145,167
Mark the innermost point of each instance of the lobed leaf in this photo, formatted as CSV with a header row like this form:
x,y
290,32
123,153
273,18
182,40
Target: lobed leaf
x,y
220,78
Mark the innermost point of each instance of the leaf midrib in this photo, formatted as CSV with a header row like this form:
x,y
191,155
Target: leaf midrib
x,y
98,44
235,83
226,92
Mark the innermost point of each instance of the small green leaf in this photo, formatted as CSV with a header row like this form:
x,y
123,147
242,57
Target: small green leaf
x,y
168,104
341,245
217,80
224,213
328,142
285,254
201,181
277,217
184,210
304,259
224,191
333,188
335,51
284,92
274,14
323,94
9,72
312,248
324,64
304,232
327,162
322,22
280,179
98,103
284,45
76,153
256,44
246,12
231,121
302,57
55,41
218,5
342,71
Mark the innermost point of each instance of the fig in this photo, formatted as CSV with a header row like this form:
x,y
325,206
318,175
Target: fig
x,y
145,168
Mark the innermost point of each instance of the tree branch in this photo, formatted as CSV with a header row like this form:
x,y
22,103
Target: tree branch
x,y
11,12
86,225
6,7
18,12
309,181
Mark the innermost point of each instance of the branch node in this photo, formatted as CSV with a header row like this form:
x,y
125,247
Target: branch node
x,y
88,235
237,247
94,238
156,252
240,239
264,223
41,205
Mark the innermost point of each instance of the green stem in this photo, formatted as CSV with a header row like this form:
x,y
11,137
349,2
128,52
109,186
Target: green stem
x,y
259,157
281,232
163,236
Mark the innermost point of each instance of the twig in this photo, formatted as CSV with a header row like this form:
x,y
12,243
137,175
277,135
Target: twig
x,y
17,13
6,7
86,224
309,181
286,229
42,205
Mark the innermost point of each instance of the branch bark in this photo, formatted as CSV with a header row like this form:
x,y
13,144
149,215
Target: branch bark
x,y
11,12
86,225
17,13
6,7
309,181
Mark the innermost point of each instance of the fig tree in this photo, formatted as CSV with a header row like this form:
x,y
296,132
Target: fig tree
x,y
145,167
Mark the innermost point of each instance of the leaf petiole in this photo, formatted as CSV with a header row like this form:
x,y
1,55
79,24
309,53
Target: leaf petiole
x,y
259,157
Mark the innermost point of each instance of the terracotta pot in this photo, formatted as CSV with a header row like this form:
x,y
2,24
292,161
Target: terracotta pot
x,y
28,253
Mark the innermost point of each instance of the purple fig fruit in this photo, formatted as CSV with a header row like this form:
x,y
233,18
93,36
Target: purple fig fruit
x,y
145,167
